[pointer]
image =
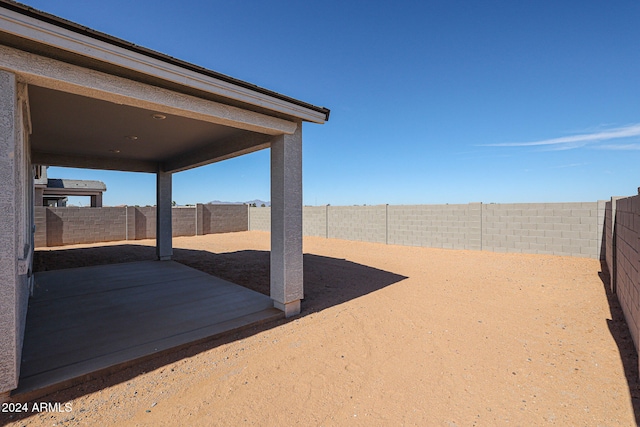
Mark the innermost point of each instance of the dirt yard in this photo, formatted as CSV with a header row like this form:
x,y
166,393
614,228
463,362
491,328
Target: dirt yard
x,y
389,335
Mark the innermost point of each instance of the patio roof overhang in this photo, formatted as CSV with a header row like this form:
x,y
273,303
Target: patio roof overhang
x,y
100,102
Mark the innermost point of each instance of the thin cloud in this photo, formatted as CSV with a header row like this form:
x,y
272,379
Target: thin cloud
x,y
572,165
619,147
562,147
578,140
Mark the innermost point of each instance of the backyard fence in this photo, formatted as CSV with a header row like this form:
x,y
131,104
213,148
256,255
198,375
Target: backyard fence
x,y
573,229
69,225
622,257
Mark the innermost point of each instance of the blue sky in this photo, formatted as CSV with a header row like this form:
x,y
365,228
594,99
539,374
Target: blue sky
x,y
431,101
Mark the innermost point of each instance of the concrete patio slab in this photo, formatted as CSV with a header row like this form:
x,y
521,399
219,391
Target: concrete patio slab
x,y
90,319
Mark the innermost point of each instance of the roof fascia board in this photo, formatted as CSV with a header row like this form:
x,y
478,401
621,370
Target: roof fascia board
x,y
43,32
71,192
57,75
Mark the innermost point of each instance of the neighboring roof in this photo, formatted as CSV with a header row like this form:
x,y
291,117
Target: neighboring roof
x,y
187,78
76,184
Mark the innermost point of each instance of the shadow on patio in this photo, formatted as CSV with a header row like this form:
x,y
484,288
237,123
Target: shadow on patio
x,y
248,268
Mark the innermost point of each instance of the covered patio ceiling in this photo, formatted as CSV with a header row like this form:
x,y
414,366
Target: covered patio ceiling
x,y
74,130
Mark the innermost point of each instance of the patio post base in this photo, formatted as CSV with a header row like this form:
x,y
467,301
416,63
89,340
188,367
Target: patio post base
x,y
290,308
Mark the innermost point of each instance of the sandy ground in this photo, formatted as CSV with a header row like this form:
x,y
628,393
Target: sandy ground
x,y
389,335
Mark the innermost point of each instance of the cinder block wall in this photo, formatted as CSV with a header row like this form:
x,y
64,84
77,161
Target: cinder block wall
x,y
436,226
144,223
361,223
573,229
183,221
542,228
609,247
260,219
608,240
625,261
602,204
223,218
66,226
40,222
314,221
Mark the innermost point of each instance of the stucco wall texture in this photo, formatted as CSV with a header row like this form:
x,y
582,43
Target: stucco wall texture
x,y
15,239
71,225
573,229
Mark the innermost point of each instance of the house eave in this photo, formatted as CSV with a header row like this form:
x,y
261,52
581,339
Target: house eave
x,y
55,33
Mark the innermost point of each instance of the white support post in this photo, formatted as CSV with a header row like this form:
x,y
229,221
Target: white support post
x,y
164,244
286,222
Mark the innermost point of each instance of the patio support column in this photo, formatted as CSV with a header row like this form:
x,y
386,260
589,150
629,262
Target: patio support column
x,y
164,245
286,222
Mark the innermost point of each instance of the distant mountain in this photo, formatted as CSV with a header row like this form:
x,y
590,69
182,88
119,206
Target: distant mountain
x,y
258,202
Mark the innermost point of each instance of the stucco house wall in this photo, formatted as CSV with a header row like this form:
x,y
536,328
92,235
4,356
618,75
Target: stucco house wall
x,y
16,240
